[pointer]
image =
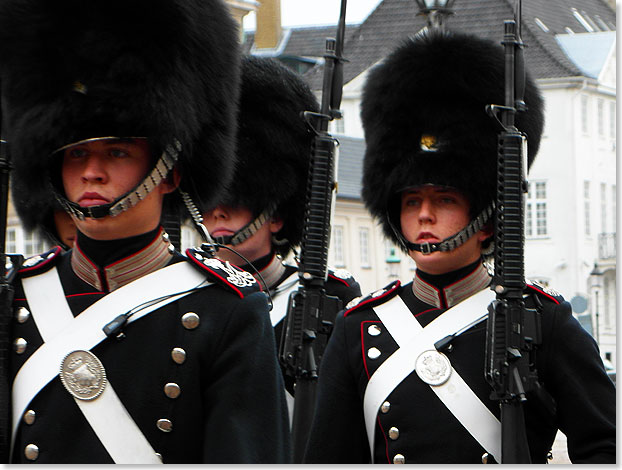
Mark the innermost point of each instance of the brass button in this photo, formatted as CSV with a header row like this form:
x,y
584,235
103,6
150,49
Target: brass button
x,y
20,345
22,314
399,458
394,433
190,320
374,330
171,248
30,416
373,353
172,390
165,425
485,457
165,237
31,452
385,407
159,456
178,355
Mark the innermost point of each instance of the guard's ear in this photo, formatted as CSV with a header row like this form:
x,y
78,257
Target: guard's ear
x,y
276,224
171,182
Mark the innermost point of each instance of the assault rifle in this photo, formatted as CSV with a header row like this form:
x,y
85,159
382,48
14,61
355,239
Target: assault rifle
x,y
311,312
513,331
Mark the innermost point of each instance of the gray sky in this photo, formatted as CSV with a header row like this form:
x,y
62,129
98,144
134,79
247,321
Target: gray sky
x,y
318,12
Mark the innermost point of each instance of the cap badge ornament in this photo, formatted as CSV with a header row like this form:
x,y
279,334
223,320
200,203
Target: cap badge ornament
x,y
79,87
428,143
83,375
433,367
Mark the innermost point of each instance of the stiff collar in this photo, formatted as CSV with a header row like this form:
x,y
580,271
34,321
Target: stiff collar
x,y
454,293
152,257
272,272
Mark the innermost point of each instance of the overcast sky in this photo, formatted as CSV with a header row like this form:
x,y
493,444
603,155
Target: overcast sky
x,y
318,12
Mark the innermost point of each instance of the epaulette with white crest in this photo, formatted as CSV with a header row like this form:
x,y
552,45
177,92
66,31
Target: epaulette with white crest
x,y
224,273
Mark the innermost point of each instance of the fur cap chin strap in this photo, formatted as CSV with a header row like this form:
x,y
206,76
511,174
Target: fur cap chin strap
x,y
165,163
248,230
452,242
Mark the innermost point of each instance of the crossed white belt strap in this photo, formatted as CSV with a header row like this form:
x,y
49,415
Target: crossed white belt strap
x,y
412,340
280,298
63,333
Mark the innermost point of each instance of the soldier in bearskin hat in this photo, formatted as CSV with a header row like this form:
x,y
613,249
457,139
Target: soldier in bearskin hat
x,y
261,214
124,350
51,223
429,178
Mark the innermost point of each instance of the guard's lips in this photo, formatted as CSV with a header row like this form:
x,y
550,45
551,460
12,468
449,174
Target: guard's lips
x,y
221,232
92,199
428,237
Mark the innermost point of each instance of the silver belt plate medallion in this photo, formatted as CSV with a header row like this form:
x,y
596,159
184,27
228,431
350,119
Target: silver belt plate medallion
x,y
433,367
83,375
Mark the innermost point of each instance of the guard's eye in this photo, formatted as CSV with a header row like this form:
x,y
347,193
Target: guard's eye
x,y
118,153
77,152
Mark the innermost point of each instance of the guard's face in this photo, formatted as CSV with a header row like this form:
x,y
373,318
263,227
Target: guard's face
x,y
224,221
97,172
65,227
431,214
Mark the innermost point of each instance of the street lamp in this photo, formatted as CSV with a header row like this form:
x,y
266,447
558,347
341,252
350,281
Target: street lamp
x,y
596,283
435,11
394,264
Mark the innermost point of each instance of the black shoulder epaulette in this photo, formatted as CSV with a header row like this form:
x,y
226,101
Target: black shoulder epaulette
x,y
38,264
223,272
341,275
12,266
375,298
543,291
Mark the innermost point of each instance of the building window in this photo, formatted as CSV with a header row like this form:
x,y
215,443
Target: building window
x,y
364,246
585,109
612,119
337,244
26,243
339,124
536,210
603,208
601,117
388,246
607,287
11,240
586,207
33,244
613,207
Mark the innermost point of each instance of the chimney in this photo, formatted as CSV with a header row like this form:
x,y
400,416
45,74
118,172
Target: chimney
x,y
268,24
239,9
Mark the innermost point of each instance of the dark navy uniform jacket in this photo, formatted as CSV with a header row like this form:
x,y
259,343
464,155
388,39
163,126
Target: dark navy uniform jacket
x,y
231,408
278,275
423,429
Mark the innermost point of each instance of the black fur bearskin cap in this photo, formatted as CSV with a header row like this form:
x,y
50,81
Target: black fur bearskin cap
x,y
161,69
437,84
273,145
